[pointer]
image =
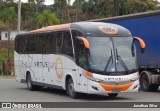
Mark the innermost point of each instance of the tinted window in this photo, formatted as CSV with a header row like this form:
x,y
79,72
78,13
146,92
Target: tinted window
x,y
67,44
31,44
59,41
40,43
20,44
50,43
76,33
45,43
82,61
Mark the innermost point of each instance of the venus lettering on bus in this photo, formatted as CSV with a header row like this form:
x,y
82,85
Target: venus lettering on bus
x,y
44,64
116,79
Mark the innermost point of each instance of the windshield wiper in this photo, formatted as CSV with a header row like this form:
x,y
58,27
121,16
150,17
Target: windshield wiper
x,y
110,58
121,61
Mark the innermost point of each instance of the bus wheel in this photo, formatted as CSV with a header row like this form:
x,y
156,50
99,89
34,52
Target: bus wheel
x,y
112,94
70,89
145,81
30,85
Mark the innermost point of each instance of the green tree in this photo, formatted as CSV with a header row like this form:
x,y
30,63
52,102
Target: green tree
x,y
9,1
116,5
135,6
63,6
31,1
1,4
105,8
28,12
9,18
47,18
77,4
39,3
89,8
2,25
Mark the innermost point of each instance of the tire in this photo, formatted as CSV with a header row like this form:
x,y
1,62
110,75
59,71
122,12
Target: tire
x,y
30,85
146,82
112,94
70,89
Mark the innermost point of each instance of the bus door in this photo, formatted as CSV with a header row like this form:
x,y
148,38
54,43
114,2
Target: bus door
x,y
82,61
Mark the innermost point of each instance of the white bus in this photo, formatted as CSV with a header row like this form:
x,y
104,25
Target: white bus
x,y
83,57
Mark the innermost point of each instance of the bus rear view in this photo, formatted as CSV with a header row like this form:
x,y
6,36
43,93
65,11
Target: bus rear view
x,y
101,60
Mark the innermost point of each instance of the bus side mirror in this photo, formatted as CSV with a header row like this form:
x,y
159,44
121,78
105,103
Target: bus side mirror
x,y
85,42
141,42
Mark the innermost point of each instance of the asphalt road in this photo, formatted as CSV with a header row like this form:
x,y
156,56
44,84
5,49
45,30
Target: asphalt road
x,y
12,91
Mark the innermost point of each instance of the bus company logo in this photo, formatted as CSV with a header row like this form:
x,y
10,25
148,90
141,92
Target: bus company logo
x,y
59,68
108,30
116,83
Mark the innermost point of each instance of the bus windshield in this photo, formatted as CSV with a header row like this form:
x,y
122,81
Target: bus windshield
x,y
112,55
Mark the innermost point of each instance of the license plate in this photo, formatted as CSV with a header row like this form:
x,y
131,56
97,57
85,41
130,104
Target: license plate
x,y
116,90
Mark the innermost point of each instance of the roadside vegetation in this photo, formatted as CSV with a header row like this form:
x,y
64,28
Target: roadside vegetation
x,y
6,65
35,14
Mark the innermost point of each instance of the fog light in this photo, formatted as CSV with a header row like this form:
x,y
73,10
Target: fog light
x,y
95,88
135,86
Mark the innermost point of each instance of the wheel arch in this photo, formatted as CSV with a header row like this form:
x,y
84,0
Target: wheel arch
x,y
68,76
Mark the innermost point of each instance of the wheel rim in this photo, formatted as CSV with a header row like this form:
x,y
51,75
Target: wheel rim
x,y
145,82
71,88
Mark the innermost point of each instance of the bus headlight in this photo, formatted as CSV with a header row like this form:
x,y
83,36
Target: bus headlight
x,y
89,75
94,79
97,80
134,78
135,86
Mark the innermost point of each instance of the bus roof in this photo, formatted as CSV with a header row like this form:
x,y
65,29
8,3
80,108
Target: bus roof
x,y
50,28
89,28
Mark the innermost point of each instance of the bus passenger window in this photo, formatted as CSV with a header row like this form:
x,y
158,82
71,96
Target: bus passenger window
x,y
67,44
20,44
53,42
41,44
50,46
59,42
